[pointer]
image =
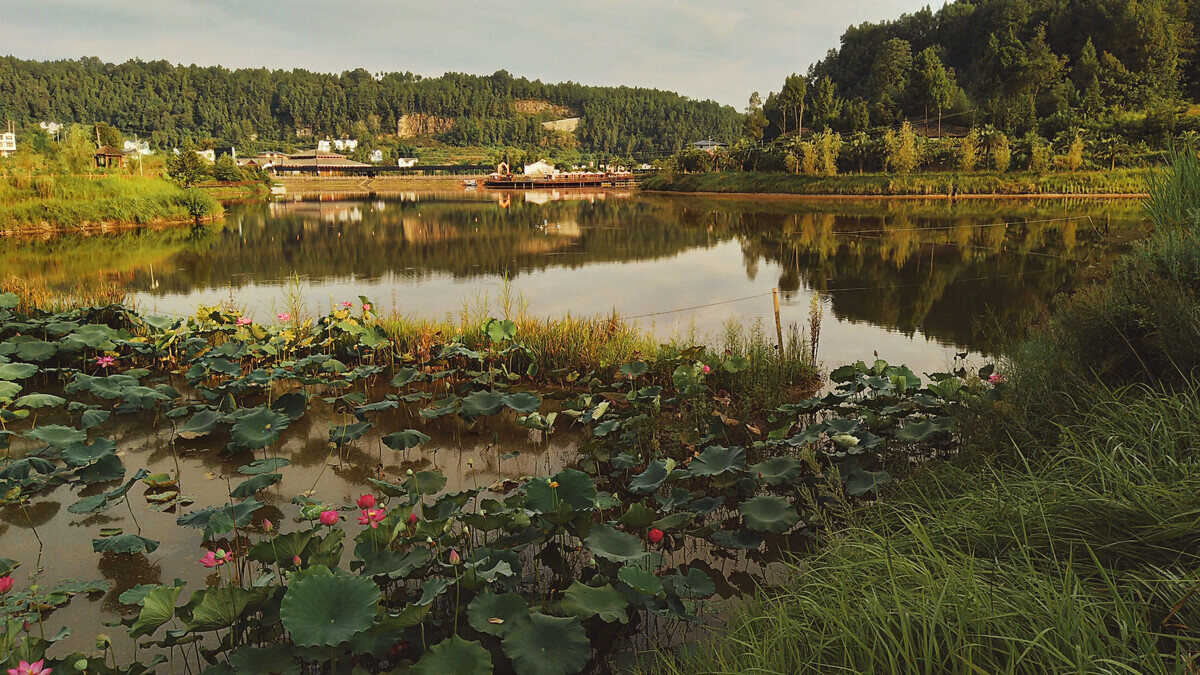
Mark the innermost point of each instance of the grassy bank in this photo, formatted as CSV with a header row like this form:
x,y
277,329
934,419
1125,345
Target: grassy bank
x,y
1121,181
48,201
1062,536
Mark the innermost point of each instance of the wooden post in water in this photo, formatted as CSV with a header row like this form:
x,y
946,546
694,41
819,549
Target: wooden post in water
x,y
778,324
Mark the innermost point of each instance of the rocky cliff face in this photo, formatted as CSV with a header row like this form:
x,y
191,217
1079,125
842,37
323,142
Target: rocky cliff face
x,y
420,124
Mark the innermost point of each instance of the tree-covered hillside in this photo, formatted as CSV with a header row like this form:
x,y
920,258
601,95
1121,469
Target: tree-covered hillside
x,y
1022,65
176,104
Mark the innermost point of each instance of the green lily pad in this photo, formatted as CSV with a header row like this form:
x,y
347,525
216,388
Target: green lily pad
x,y
650,479
219,608
610,544
640,580
56,435
426,482
480,403
38,401
769,514
496,614
587,601
200,424
16,371
523,402
259,466
253,485
454,655
36,350
776,470
292,404
124,543
158,607
715,460
405,440
548,645
258,429
340,435
324,610
737,539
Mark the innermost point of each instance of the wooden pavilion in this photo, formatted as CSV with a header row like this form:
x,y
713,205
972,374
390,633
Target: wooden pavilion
x,y
107,157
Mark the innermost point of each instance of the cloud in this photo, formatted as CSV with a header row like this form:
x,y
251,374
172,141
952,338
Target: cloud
x,y
701,48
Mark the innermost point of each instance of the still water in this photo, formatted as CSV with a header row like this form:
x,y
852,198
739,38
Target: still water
x,y
916,281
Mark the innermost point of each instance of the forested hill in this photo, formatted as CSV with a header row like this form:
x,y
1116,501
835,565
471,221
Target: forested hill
x,y
174,104
1018,64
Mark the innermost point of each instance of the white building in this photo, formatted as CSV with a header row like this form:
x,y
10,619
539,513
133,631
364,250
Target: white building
x,y
8,141
323,145
540,168
345,144
139,147
207,154
376,156
51,128
406,162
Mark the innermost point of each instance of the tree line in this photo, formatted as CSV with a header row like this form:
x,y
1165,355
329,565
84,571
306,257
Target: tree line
x,y
1048,67
174,105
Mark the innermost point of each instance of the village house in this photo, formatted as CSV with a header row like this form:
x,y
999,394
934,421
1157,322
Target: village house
x,y
710,146
406,162
376,156
320,163
207,154
8,142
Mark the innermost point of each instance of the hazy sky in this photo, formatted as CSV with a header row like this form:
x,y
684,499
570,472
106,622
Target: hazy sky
x,y
702,48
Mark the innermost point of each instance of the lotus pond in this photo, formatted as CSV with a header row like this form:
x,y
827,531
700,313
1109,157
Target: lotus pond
x,y
227,494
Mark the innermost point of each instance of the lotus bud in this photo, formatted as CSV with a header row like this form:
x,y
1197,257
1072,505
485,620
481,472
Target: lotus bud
x,y
81,665
296,560
408,472
267,525
454,559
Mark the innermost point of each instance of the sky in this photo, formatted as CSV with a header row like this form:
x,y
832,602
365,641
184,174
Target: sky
x,y
721,50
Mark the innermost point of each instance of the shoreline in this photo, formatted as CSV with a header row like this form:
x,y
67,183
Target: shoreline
x,y
105,227
817,196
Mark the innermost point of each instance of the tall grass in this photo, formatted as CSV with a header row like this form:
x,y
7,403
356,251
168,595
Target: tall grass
x,y
75,201
1077,557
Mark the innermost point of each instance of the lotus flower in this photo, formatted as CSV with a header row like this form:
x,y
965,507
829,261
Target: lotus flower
x,y
367,307
346,304
705,369
209,559
454,557
223,556
296,560
283,316
267,525
26,668
655,535
244,321
996,378
371,517
366,501
329,517
6,584
412,519
105,361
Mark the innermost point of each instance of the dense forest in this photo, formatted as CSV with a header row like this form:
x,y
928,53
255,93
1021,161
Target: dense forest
x,y
174,105
1043,66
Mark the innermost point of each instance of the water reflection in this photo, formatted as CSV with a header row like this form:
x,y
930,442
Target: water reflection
x,y
914,280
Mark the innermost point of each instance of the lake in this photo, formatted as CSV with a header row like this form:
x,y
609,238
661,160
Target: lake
x,y
916,281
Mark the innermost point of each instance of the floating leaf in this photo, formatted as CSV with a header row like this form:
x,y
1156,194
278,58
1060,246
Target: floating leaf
x,y
715,460
547,645
258,429
606,542
200,424
523,402
776,470
56,435
454,655
253,485
768,513
496,614
324,610
738,539
405,440
480,403
124,543
588,601
263,466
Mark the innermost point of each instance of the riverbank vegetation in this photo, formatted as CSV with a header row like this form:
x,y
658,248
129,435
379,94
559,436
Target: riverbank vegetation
x,y
1061,537
53,183
1120,182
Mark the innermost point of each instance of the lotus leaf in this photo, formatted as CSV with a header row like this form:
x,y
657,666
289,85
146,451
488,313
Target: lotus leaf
x,y
263,466
768,513
258,429
496,614
588,601
56,435
219,608
158,607
326,610
405,440
124,543
16,371
200,424
715,460
480,403
650,479
38,401
454,655
640,580
547,645
610,544
777,470
340,435
251,486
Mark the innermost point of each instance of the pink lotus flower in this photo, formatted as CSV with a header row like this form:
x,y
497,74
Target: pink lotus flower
x,y
283,316
412,519
367,308
26,668
267,525
705,370
346,304
655,535
329,517
105,361
366,501
996,378
371,517
6,584
454,558
296,560
209,559
244,321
